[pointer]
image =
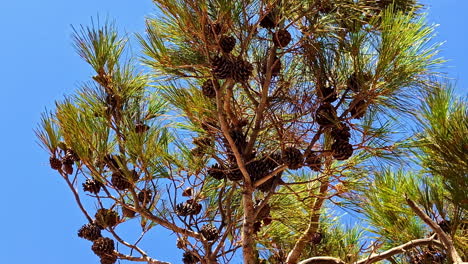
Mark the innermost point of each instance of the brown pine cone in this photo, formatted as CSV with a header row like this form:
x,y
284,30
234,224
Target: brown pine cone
x,y
227,43
208,89
326,115
342,150
282,38
358,108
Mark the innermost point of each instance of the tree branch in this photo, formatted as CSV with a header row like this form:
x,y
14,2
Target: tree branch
x,y
76,195
140,259
322,260
247,188
296,252
379,256
444,238
400,249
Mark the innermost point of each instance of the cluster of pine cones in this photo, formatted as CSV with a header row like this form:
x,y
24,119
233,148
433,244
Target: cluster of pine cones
x,y
356,83
224,65
340,132
259,166
102,246
227,66
281,37
65,163
326,114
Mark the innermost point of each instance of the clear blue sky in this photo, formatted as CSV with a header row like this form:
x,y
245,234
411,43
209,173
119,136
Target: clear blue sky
x,y
38,217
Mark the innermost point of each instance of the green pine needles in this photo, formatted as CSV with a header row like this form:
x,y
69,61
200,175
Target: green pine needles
x,y
256,130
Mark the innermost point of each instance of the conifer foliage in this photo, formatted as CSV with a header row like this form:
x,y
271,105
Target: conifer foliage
x,y
255,121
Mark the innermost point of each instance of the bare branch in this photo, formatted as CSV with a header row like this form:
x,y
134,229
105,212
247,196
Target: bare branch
x,y
379,256
77,197
400,249
140,259
444,238
322,260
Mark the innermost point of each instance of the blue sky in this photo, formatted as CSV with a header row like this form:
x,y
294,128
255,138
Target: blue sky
x,y
38,65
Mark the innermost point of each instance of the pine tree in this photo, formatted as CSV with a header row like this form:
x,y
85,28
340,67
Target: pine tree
x,y
251,123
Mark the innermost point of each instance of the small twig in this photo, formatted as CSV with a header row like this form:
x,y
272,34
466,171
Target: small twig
x,y
300,244
140,259
143,253
77,197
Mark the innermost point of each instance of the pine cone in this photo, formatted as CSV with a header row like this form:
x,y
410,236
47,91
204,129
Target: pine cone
x,y
198,151
203,142
112,103
292,157
145,196
190,258
326,115
282,38
67,166
341,132
135,176
227,43
267,221
234,174
446,226
120,182
328,94
257,226
106,218
264,212
271,183
128,212
103,246
353,83
217,172
55,163
67,162
358,108
196,207
209,232
239,139
92,186
240,142
141,128
208,89
273,161
188,192
314,162
222,67
71,156
190,207
317,238
324,6
108,259
257,169
242,70
342,150
268,21
90,232
213,29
